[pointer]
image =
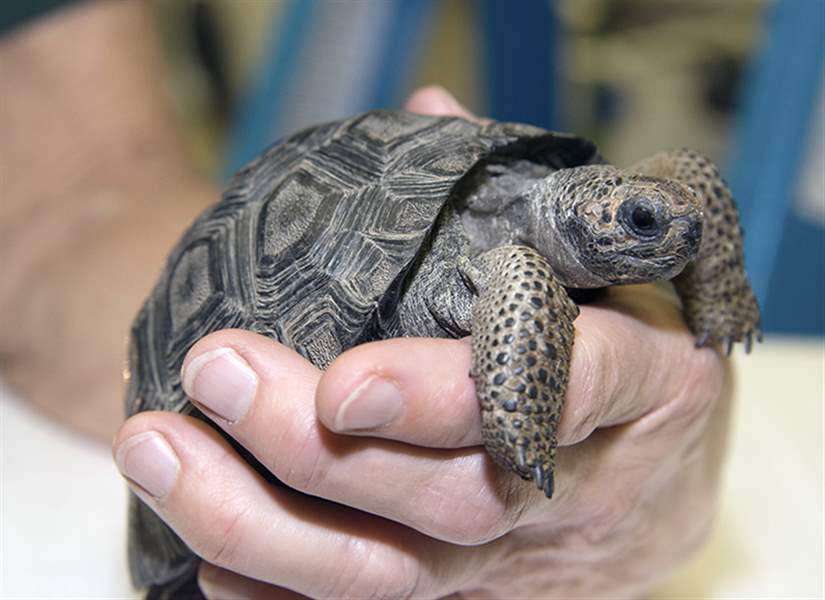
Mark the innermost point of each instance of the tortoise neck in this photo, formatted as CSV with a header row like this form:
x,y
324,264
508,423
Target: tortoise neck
x,y
492,204
546,204
522,203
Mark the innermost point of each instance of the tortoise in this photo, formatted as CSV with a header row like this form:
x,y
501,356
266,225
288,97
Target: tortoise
x,y
392,224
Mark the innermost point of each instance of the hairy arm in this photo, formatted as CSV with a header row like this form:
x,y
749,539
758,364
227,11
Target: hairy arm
x,y
96,188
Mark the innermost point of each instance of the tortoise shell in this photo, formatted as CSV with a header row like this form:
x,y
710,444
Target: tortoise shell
x,y
312,242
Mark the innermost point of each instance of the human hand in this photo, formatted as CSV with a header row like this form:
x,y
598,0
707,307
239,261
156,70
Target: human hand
x,y
415,507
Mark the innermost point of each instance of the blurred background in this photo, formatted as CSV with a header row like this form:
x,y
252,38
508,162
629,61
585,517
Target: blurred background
x,y
740,80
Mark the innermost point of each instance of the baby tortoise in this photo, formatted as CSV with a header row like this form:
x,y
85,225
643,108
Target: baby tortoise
x,y
392,224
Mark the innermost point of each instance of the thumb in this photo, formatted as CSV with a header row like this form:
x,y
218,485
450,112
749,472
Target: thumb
x,y
435,100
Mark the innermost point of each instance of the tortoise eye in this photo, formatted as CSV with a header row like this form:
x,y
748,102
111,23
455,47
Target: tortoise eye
x,y
640,218
643,219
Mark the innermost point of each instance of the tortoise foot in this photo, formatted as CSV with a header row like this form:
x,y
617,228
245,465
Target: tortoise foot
x,y
719,305
522,332
746,337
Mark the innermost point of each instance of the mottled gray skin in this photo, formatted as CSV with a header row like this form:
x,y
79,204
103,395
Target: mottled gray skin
x,y
391,224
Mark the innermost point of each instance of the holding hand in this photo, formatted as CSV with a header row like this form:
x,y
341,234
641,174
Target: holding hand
x,y
404,500
431,515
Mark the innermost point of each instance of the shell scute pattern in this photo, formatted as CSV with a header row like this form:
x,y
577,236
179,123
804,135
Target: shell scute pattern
x,y
191,286
350,201
287,213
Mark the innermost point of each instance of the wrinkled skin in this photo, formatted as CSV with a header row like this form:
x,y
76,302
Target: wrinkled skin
x,y
414,506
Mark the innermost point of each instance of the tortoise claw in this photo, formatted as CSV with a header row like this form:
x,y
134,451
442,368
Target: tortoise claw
x,y
521,461
538,476
728,341
544,480
702,340
549,484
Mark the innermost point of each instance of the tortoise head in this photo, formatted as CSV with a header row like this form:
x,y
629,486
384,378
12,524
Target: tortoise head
x,y
605,226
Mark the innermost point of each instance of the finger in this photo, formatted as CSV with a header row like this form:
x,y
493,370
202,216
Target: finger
x,y
220,584
632,356
413,390
633,361
435,100
622,369
230,517
218,376
455,495
418,391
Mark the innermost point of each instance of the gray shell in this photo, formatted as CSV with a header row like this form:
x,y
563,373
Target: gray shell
x,y
311,243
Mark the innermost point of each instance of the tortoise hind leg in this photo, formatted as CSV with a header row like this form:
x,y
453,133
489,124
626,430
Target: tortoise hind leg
x,y
718,303
522,327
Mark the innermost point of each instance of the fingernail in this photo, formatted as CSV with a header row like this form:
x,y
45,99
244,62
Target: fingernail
x,y
372,404
221,381
148,460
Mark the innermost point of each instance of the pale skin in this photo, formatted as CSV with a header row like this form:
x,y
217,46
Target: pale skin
x,y
427,513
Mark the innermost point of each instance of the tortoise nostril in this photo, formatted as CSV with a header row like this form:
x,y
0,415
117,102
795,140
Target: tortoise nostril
x,y
693,234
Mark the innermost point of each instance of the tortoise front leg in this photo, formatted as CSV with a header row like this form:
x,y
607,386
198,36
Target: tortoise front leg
x,y
719,305
522,329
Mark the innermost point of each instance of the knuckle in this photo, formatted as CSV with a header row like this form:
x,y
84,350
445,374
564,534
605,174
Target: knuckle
x,y
465,509
578,426
498,515
479,524
298,462
501,512
220,541
405,573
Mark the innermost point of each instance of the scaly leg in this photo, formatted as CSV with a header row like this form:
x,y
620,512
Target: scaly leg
x,y
719,305
522,328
